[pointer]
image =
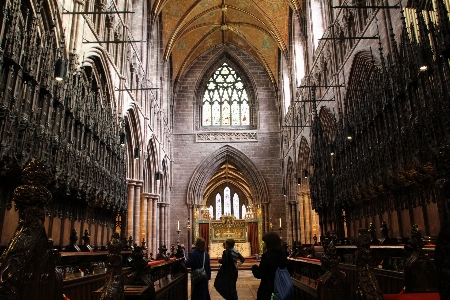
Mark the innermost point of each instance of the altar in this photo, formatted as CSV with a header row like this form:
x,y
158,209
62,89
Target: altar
x,y
246,234
216,249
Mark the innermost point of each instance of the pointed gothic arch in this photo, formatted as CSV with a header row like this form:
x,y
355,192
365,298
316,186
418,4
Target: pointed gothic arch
x,y
209,166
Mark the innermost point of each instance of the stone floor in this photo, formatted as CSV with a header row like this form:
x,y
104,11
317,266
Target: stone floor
x,y
247,285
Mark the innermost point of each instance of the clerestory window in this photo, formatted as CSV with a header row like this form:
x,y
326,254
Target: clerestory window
x,y
225,102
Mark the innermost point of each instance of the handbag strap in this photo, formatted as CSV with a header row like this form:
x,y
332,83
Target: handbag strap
x,y
204,254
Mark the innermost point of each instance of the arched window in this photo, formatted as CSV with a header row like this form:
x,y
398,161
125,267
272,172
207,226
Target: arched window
x,y
227,201
225,102
211,212
236,205
244,211
218,206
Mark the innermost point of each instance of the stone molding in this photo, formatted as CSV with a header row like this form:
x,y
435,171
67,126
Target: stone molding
x,y
226,136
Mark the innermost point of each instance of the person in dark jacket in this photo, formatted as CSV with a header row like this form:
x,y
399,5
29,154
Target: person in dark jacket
x,y
273,258
229,267
199,290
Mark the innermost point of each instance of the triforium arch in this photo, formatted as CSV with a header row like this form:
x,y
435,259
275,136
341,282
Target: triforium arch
x,y
237,65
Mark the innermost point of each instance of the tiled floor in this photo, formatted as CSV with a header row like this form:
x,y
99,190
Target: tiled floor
x,y
247,285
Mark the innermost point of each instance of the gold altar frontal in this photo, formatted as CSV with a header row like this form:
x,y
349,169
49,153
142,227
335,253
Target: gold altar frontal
x,y
228,228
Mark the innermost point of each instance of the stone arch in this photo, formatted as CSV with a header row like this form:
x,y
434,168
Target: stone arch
x,y
209,166
132,130
151,167
290,181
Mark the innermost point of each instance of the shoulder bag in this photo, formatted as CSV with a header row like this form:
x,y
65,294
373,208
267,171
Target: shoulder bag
x,y
200,273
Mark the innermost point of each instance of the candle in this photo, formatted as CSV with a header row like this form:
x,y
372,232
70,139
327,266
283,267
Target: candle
x,y
178,225
280,222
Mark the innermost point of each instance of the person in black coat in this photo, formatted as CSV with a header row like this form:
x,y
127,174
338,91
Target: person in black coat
x,y
273,258
227,275
199,290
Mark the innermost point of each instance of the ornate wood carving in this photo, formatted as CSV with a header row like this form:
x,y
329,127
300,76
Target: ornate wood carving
x,y
420,272
333,284
27,266
113,288
368,288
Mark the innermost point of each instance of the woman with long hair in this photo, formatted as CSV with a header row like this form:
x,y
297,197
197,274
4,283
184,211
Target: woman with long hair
x,y
198,258
273,258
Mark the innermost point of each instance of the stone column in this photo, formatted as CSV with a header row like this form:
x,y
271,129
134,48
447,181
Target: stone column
x,y
291,219
144,219
154,224
149,218
137,212
159,224
296,222
130,213
164,225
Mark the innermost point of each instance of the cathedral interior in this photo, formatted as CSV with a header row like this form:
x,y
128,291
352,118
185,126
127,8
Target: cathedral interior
x,y
156,122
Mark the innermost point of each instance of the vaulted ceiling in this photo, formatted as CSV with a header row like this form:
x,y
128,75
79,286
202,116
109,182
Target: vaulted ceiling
x,y
191,27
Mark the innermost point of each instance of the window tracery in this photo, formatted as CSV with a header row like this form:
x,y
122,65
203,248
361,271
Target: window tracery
x,y
225,100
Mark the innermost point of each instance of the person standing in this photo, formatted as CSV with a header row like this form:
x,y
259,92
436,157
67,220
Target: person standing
x,y
199,290
273,258
236,255
228,270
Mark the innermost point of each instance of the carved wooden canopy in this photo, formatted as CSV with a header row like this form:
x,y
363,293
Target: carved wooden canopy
x,y
191,27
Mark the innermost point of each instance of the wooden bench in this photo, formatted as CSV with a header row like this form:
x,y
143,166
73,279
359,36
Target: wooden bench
x,y
319,279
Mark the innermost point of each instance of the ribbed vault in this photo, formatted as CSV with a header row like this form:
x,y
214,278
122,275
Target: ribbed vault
x,y
211,166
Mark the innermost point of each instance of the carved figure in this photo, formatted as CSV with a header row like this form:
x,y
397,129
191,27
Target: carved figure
x,y
73,247
333,284
162,253
86,247
373,235
420,272
384,233
368,288
113,288
27,266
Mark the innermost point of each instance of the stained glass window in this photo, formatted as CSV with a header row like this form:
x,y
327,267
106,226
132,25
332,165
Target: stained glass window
x,y
211,212
244,211
236,205
218,206
227,201
225,102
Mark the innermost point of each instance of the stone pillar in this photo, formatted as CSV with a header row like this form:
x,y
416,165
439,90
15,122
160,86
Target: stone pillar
x,y
149,218
164,224
160,227
137,212
154,224
296,222
291,224
144,219
130,213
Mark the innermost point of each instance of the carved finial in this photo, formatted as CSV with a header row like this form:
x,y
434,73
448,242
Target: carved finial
x,y
115,245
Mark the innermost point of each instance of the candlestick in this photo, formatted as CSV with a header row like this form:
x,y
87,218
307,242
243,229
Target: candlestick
x,y
280,222
178,239
178,225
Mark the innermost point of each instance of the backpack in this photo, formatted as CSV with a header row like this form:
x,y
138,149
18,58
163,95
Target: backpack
x,y
283,288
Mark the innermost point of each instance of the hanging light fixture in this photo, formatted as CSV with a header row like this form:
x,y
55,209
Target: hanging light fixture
x,y
331,150
60,70
136,153
423,66
299,180
122,138
284,192
305,172
158,176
